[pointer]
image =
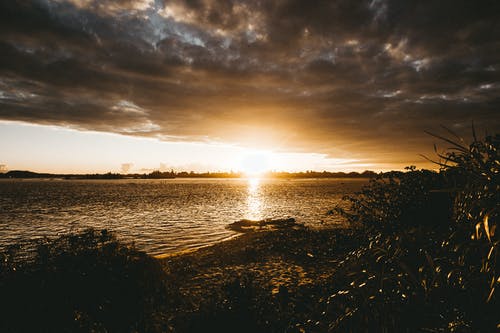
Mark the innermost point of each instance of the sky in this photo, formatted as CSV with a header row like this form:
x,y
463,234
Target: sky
x,y
132,86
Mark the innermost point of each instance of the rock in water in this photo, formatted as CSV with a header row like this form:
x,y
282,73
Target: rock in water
x,y
266,224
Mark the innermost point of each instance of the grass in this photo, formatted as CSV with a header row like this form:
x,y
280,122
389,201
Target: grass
x,y
420,255
86,282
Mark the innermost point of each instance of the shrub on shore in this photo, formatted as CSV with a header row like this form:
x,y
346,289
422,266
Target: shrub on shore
x,y
395,200
435,261
87,282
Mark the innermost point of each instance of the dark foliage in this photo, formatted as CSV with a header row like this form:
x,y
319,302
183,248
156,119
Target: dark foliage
x,y
239,306
395,200
432,263
81,283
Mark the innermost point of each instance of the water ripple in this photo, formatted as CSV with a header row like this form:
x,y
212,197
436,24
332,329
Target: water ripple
x,y
161,216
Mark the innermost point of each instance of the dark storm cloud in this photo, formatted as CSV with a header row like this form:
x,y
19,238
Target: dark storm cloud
x,y
347,78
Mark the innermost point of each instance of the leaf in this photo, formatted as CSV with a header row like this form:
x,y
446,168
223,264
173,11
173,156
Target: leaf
x,y
430,261
490,252
491,294
474,132
459,146
453,133
487,227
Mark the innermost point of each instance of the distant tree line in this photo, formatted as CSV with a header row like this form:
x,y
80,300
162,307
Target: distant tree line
x,y
35,175
185,174
323,174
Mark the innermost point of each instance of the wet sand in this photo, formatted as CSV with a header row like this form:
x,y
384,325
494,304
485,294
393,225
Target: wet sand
x,y
273,259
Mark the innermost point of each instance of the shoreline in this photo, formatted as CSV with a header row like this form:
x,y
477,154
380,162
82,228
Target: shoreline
x,y
194,249
273,259
250,227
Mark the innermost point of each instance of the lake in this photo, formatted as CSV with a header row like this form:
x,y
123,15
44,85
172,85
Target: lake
x,y
163,216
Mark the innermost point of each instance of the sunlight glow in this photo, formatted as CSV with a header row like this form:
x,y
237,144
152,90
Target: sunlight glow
x,y
253,184
46,148
254,202
254,164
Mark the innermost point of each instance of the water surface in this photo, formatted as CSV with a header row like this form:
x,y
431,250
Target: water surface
x,y
162,216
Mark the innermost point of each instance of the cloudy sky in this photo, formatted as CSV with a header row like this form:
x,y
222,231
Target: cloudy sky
x,y
338,84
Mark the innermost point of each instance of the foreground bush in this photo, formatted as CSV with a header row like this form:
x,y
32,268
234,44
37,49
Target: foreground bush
x,y
86,282
475,170
396,200
433,260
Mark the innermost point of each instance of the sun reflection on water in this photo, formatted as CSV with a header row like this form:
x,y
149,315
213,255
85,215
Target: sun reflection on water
x,y
254,202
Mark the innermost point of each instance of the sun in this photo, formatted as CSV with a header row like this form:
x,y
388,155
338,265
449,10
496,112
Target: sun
x,y
255,164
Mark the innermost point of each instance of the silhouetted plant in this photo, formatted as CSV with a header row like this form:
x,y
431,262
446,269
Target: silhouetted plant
x,y
240,305
425,268
474,170
397,199
81,283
